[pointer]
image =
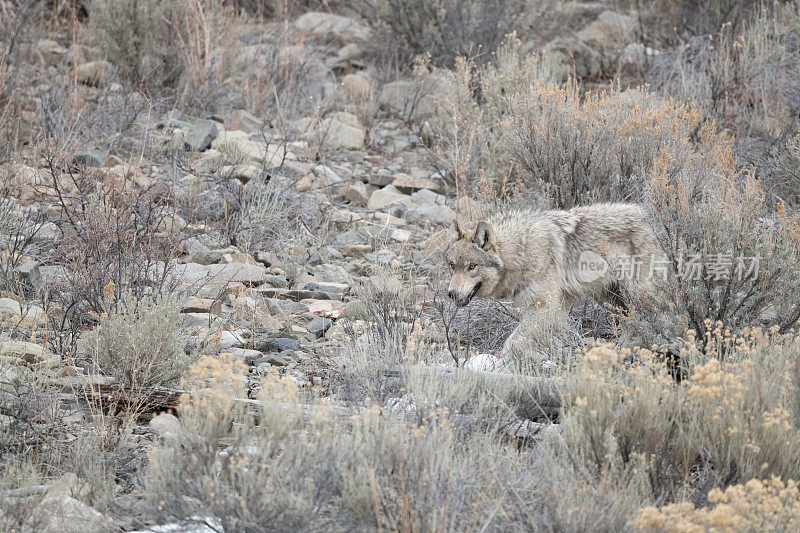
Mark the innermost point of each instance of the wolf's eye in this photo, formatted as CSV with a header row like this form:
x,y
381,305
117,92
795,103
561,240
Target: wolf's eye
x,y
452,266
472,266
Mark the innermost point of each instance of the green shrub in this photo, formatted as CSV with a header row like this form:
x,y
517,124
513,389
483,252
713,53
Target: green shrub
x,y
138,342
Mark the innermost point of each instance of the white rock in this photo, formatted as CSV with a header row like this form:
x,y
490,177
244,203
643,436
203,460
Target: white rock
x,y
165,423
9,308
484,362
328,26
63,514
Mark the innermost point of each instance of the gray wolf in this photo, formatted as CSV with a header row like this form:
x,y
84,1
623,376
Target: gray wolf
x,y
545,261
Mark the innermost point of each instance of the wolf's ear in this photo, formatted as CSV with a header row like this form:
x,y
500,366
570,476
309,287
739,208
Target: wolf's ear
x,y
459,230
482,235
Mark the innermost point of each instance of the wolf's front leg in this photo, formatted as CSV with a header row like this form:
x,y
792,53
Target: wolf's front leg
x,y
534,336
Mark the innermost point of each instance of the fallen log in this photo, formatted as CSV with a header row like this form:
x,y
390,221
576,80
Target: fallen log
x,y
113,398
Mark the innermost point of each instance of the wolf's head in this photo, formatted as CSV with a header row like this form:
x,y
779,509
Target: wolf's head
x,y
474,264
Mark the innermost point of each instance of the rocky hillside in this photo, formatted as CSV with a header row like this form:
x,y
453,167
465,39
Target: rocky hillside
x,y
222,301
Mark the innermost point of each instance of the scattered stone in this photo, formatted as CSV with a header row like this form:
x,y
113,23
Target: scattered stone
x,y
356,87
195,274
200,135
91,157
277,344
407,184
202,305
570,54
9,309
51,52
342,131
69,485
241,120
63,514
292,294
21,352
318,326
356,250
29,273
277,281
93,73
330,27
277,359
246,355
387,196
165,423
328,287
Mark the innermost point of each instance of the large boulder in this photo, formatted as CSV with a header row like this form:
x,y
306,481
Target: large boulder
x,y
330,27
609,34
93,73
64,514
356,87
9,309
574,57
27,353
343,131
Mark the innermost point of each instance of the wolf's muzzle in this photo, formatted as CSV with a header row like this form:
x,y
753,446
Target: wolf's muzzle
x,y
461,302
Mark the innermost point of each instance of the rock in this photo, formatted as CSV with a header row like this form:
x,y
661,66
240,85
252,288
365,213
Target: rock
x,y
202,305
609,34
241,120
9,309
246,355
330,273
357,309
292,294
434,214
356,87
52,53
233,339
21,352
165,423
278,281
484,362
29,273
93,73
318,326
326,175
354,192
326,254
279,344
200,135
386,196
91,157
574,57
329,287
198,275
63,514
69,485
277,359
198,252
356,250
633,60
342,131
382,178
330,27
399,235
398,96
408,184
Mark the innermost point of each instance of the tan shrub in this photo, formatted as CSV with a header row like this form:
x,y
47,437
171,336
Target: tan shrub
x,y
758,505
